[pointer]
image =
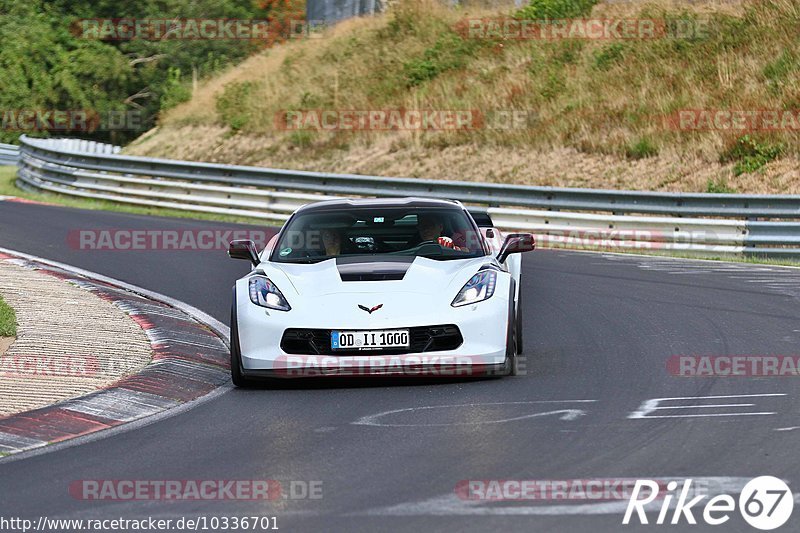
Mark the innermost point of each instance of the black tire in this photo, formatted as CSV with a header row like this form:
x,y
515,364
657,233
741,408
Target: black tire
x,y
518,326
511,338
236,355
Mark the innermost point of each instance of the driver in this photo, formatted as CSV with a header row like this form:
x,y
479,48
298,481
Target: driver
x,y
335,242
430,227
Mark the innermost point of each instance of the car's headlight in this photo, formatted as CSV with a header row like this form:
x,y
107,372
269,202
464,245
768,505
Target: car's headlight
x,y
480,287
264,293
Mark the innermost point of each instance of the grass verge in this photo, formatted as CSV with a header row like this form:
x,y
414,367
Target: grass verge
x,y
8,320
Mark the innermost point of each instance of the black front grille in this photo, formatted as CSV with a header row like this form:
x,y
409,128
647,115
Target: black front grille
x,y
371,276
302,341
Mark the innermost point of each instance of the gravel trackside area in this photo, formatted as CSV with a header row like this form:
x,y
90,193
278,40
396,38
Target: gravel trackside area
x,y
69,341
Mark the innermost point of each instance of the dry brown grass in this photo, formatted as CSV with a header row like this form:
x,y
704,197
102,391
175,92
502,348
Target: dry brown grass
x,y
596,103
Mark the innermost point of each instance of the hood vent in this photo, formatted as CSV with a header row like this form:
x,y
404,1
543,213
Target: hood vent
x,y
358,269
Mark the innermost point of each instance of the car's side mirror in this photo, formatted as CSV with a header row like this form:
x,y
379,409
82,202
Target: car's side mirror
x,y
516,243
244,249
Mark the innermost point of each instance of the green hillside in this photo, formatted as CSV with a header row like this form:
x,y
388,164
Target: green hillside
x,y
599,112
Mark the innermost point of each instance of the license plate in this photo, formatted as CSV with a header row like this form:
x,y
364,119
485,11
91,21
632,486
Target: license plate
x,y
356,340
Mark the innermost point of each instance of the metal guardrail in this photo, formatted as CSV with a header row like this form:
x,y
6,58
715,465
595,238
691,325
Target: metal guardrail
x,y
606,219
9,154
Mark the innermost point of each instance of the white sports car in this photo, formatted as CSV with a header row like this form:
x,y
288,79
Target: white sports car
x,y
407,286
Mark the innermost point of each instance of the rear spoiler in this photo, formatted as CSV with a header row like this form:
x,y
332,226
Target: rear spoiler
x,y
481,218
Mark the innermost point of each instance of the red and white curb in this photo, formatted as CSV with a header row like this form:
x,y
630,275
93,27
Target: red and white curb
x,y
19,200
190,360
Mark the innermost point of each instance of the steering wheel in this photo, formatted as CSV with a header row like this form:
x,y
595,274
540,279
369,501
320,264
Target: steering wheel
x,y
415,247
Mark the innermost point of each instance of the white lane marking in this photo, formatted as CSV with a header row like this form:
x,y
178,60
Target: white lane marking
x,y
159,338
654,404
726,396
787,429
566,414
678,261
706,406
451,504
764,413
120,404
773,281
680,272
10,443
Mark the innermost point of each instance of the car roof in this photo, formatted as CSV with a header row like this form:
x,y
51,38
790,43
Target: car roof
x,y
344,203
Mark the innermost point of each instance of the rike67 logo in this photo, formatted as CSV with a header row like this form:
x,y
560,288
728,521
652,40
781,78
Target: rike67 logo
x,y
765,503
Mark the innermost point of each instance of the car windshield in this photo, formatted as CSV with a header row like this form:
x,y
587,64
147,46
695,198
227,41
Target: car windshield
x,y
435,233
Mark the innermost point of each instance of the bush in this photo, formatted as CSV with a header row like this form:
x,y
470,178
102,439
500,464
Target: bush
x,y
568,52
607,57
642,149
554,85
750,154
8,320
175,90
301,138
450,52
233,103
555,9
719,186
778,72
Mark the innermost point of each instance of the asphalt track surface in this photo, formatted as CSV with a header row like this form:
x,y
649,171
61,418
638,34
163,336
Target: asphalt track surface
x,y
598,327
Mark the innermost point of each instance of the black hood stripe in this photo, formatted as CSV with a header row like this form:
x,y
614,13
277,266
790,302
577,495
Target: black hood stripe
x,y
369,268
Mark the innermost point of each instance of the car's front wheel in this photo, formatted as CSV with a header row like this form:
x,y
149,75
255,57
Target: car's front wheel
x,y
236,355
518,325
511,338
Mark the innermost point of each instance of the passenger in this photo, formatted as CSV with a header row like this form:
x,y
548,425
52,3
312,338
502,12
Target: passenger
x,y
430,227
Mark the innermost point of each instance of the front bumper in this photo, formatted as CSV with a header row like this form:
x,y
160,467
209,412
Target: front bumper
x,y
483,328
325,368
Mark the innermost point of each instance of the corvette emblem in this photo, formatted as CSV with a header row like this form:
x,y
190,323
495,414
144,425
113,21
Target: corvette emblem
x,y
368,310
